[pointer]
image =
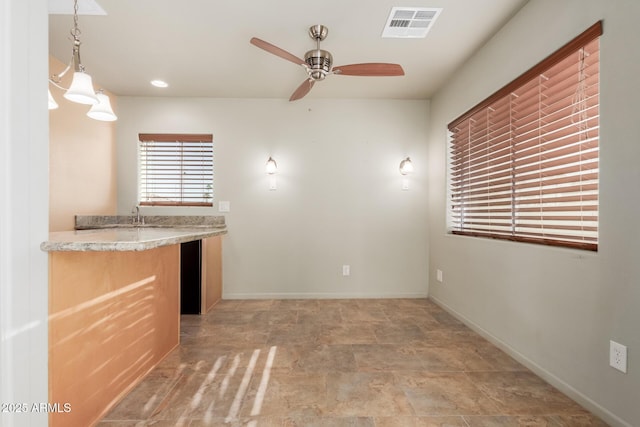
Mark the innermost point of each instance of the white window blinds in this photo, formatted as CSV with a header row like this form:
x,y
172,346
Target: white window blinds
x,y
524,162
176,169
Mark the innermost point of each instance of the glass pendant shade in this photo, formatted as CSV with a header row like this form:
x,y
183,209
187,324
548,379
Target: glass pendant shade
x,y
102,110
81,89
271,167
52,102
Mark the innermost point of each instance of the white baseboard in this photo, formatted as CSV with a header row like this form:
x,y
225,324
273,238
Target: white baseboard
x,y
564,387
329,295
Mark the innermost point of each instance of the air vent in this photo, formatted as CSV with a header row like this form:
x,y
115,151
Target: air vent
x,y
410,22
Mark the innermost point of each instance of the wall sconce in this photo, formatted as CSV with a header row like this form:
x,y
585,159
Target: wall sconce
x,y
272,166
271,169
81,89
406,167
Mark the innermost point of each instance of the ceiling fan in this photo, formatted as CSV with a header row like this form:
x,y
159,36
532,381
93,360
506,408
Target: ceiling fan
x,y
318,63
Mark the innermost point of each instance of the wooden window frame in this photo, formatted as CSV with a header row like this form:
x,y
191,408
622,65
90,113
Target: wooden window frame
x,y
183,193
493,153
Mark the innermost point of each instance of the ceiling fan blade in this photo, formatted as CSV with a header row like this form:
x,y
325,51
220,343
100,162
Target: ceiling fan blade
x,y
369,69
302,90
276,51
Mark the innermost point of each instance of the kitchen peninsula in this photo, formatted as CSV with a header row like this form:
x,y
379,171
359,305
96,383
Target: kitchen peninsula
x,y
114,304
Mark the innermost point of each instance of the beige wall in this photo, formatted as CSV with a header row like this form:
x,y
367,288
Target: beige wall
x,y
82,162
555,309
339,198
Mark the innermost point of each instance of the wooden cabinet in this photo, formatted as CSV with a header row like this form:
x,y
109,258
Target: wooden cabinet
x,y
211,272
113,316
200,275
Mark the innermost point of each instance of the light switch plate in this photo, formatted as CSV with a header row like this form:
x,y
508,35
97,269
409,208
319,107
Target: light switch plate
x,y
224,206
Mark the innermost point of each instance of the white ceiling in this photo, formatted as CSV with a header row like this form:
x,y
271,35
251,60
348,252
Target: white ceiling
x,y
201,47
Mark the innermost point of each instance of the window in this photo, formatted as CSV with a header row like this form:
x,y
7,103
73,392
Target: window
x,y
524,162
176,169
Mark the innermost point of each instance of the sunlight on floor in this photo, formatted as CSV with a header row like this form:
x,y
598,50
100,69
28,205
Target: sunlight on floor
x,y
215,372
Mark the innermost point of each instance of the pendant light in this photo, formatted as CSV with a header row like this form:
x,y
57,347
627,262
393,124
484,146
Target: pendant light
x,y
81,89
52,102
102,110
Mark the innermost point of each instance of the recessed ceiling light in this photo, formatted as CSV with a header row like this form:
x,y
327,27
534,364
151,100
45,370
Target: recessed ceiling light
x,y
159,83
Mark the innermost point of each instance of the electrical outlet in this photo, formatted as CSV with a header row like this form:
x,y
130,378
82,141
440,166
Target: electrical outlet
x,y
618,356
439,275
346,270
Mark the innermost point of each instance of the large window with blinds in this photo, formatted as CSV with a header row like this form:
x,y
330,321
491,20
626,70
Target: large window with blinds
x,y
524,162
176,169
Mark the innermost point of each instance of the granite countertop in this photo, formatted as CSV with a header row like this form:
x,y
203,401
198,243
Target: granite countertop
x,y
125,239
97,233
89,222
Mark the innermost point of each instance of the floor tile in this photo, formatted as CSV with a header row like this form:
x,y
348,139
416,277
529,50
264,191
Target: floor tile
x,y
361,363
301,305
449,393
509,421
399,332
323,358
365,394
146,423
330,422
583,420
416,315
454,421
328,316
296,395
356,314
386,358
352,333
523,393
142,401
294,333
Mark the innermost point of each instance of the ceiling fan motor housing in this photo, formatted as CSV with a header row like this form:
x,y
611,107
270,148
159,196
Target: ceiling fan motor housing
x,y
319,62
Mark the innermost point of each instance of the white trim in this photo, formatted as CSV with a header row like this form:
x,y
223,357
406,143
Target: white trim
x,y
307,295
561,385
24,209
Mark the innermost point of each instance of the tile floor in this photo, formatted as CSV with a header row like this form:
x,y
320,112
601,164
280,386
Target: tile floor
x,y
361,363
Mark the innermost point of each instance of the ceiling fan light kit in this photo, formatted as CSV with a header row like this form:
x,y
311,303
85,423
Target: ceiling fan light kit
x,y
318,63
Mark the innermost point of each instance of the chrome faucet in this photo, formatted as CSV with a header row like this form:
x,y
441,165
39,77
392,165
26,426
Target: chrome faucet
x,y
137,218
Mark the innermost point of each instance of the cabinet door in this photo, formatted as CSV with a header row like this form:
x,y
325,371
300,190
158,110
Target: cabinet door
x,y
211,272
